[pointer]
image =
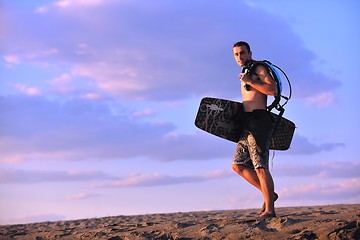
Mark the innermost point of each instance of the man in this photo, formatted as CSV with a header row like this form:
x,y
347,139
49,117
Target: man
x,y
251,158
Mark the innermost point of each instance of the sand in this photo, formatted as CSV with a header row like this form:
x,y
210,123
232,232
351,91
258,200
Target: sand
x,y
314,222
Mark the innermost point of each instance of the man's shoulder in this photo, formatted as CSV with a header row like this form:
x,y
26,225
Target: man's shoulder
x,y
260,65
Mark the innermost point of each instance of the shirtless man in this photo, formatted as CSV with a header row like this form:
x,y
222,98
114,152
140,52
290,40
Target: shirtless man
x,y
251,158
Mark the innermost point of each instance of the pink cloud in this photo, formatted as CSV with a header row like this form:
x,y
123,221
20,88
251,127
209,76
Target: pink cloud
x,y
17,176
143,113
321,100
30,91
81,196
139,179
91,96
11,59
331,190
158,179
324,170
63,78
64,4
218,173
72,3
63,83
112,78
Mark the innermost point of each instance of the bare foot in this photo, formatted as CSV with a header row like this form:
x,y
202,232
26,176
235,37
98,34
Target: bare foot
x,y
267,215
263,206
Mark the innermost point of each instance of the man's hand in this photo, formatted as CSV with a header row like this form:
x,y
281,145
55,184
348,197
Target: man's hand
x,y
261,80
245,78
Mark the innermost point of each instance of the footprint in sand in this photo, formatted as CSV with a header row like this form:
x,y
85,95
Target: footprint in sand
x,y
350,231
209,229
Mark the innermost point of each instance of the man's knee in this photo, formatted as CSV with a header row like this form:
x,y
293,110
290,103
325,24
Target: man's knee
x,y
238,168
262,171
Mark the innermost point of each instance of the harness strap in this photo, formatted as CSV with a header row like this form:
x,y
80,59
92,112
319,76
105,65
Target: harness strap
x,y
250,69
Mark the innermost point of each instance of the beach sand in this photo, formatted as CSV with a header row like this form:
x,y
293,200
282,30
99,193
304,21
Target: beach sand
x,y
310,222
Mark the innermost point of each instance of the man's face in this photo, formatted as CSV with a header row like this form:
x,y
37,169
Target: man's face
x,y
241,55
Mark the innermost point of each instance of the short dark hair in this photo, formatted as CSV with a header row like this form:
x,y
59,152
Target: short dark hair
x,y
242,43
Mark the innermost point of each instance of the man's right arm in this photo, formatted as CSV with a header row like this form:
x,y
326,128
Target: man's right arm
x,y
261,80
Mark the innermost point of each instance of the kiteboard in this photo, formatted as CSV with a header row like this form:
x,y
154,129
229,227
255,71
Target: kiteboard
x,y
220,117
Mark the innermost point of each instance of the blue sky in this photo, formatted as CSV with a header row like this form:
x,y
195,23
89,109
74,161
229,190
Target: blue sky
x,y
98,100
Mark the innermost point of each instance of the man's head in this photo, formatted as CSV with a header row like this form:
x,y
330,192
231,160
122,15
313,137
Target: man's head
x,y
242,53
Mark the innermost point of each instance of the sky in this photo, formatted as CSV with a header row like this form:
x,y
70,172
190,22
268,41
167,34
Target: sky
x,y
98,101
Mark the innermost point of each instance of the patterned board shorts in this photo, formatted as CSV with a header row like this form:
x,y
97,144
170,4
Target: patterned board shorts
x,y
252,149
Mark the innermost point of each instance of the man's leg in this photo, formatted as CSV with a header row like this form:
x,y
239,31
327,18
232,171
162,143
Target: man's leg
x,y
248,174
267,189
262,180
259,178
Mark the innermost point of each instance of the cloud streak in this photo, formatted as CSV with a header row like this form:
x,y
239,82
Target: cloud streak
x,y
341,190
81,196
18,176
324,170
302,146
322,100
81,129
157,179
